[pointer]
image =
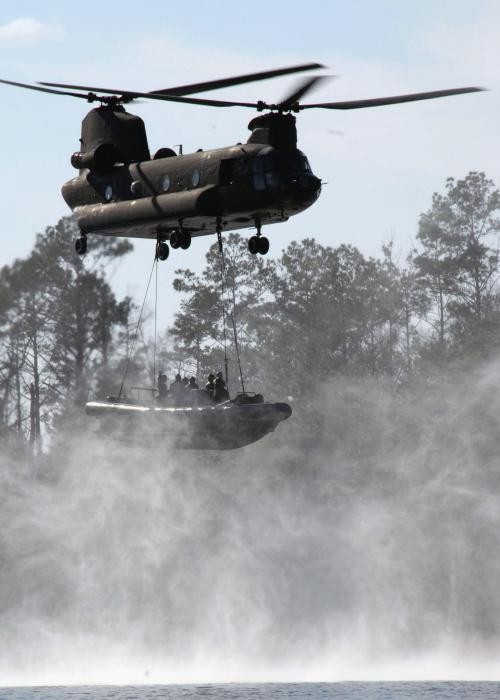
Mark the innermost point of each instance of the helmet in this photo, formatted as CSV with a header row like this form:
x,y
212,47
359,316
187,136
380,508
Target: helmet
x,y
211,376
220,375
178,378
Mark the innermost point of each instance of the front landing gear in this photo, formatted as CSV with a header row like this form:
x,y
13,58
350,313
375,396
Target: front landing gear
x,y
258,244
81,245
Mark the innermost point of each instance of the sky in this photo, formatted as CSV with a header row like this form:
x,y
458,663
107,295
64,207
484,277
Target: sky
x,y
380,166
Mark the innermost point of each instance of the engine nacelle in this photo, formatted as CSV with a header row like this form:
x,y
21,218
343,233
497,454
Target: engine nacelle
x,y
101,158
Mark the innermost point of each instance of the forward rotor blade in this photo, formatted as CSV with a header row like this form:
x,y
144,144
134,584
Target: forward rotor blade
x,y
43,89
237,80
303,88
396,99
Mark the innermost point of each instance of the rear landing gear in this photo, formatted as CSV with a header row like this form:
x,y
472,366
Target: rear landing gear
x,y
81,245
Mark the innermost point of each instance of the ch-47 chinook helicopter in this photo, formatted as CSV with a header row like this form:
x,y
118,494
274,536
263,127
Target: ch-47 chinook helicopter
x,y
122,191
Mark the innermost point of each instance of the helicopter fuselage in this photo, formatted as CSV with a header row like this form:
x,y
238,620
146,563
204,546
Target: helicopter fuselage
x,y
121,191
232,188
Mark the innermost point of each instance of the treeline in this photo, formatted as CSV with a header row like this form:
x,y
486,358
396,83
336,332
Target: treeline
x,y
313,313
320,311
60,325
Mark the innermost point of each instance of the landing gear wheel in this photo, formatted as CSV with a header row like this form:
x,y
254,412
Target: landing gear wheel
x,y
263,245
162,250
81,245
253,245
185,240
175,239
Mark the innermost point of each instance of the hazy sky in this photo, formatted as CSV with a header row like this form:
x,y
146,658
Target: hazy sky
x,y
380,165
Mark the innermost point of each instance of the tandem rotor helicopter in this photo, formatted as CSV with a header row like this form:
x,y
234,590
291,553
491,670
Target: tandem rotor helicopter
x,y
169,198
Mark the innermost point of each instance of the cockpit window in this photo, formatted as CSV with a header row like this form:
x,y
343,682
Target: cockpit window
x,y
277,168
282,163
306,168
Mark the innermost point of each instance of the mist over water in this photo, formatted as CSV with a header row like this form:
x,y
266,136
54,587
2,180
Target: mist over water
x,y
359,541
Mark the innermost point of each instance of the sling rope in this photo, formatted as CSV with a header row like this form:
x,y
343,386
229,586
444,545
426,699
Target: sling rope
x,y
231,314
132,346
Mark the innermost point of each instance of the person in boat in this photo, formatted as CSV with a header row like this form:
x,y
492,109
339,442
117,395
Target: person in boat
x,y
210,386
162,387
192,384
177,389
185,381
220,391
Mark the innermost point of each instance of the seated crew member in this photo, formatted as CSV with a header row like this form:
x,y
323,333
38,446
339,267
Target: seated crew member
x,y
185,381
220,392
192,384
210,386
162,387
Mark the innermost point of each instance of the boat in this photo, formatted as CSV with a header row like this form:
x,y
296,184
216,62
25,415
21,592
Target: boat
x,y
201,425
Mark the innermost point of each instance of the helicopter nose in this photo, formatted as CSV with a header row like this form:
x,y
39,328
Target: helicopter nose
x,y
305,187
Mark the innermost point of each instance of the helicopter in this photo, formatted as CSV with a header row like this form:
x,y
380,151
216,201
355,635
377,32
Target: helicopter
x,y
121,190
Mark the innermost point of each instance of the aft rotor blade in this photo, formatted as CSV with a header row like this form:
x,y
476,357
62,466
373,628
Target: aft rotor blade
x,y
303,88
106,91
237,80
196,100
396,99
44,89
128,95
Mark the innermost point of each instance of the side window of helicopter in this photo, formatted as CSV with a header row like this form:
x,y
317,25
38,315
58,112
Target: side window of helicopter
x,y
165,183
259,180
108,193
195,178
273,169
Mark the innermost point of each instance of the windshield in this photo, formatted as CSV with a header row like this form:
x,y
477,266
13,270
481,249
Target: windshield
x,y
282,163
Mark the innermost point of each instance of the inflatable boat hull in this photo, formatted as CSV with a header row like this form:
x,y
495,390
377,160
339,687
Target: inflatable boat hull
x,y
225,426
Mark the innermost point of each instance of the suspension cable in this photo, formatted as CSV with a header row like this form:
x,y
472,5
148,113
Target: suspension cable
x,y
231,314
219,238
236,342
131,350
154,340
